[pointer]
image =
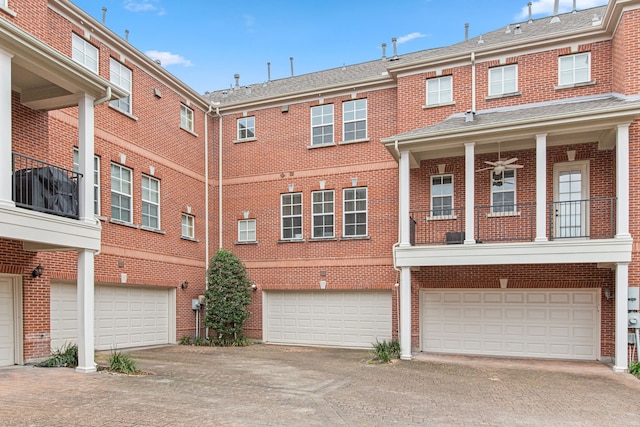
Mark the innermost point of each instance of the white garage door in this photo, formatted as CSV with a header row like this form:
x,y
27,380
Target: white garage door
x,y
558,324
7,330
342,319
125,316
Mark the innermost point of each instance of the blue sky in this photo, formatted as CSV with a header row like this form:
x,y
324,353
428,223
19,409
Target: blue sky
x,y
205,42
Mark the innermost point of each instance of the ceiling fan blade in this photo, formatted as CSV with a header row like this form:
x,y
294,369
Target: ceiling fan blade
x,y
508,162
484,169
513,166
491,163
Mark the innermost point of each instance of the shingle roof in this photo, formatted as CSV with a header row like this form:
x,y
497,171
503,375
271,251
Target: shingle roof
x,y
378,70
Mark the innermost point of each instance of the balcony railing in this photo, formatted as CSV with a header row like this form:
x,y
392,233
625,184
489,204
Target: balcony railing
x,y
44,187
587,219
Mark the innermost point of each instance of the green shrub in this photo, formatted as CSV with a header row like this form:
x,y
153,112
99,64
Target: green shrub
x,y
67,355
634,368
123,363
385,351
186,340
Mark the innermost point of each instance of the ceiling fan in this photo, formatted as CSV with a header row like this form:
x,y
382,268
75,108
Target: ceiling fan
x,y
500,165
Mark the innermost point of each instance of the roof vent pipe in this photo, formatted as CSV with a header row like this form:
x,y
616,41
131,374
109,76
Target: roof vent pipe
x,y
291,61
556,18
237,77
395,47
466,31
384,51
126,35
530,14
104,15
268,71
575,9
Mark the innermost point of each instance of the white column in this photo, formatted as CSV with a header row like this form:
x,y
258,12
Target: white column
x,y
541,188
469,192
405,313
85,157
5,130
86,303
621,329
404,182
622,182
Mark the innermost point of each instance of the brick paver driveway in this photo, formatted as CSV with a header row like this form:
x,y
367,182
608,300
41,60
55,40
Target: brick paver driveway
x,y
277,385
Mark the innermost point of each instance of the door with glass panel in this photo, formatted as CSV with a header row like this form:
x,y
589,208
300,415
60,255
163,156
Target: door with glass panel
x,y
571,200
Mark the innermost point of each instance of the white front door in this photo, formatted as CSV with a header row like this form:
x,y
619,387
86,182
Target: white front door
x,y
571,199
7,326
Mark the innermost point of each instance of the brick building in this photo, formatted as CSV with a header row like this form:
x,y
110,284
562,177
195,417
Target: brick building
x,y
473,199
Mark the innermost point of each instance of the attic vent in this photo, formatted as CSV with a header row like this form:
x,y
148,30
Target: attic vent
x,y
469,115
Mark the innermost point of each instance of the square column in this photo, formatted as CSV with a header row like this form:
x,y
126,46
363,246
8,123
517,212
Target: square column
x,y
622,182
403,198
541,188
405,314
86,131
6,160
469,193
621,330
86,344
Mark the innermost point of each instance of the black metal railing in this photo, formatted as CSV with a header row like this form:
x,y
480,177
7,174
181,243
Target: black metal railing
x,y
589,218
44,187
506,223
437,227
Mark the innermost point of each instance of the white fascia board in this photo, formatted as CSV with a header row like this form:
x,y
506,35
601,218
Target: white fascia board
x,y
553,252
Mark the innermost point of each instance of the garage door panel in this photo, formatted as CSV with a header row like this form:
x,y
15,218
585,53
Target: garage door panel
x,y
528,323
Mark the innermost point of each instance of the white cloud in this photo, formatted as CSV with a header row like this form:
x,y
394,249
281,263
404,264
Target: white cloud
x,y
409,37
143,6
545,7
168,58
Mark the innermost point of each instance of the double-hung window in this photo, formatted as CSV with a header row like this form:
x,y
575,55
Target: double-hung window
x,y
246,128
439,90
121,76
574,69
355,212
291,216
121,190
186,118
503,80
442,195
188,225
323,213
96,178
354,118
84,52
322,124
247,230
503,192
150,202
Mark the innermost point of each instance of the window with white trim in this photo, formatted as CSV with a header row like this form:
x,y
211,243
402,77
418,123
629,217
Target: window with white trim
x,y
186,118
96,178
323,213
503,192
150,202
574,69
247,230
121,190
84,52
322,124
503,79
188,226
291,216
442,195
354,119
440,90
121,76
246,127
355,212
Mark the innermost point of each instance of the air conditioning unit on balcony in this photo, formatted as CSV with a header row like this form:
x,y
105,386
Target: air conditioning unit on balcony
x,y
454,237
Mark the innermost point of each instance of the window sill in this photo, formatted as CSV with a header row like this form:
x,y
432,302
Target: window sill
x,y
126,224
153,230
329,144
346,238
502,95
101,218
575,85
238,141
444,104
8,11
189,239
248,242
441,218
502,214
189,132
354,141
124,113
291,241
324,239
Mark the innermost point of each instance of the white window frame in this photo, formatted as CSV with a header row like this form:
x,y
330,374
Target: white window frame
x,y
122,194
499,84
188,226
350,207
497,210
96,178
148,200
354,113
246,230
246,125
322,121
569,66
436,94
291,210
442,211
84,53
322,210
121,76
186,118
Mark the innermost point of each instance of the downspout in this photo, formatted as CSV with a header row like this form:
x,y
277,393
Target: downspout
x,y
219,177
473,81
206,187
104,99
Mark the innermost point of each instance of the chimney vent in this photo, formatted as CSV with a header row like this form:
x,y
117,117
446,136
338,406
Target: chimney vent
x,y
468,116
268,71
104,15
574,7
530,14
466,31
556,18
126,35
237,77
384,51
395,48
291,61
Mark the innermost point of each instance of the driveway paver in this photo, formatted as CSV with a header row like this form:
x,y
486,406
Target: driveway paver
x,y
299,386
